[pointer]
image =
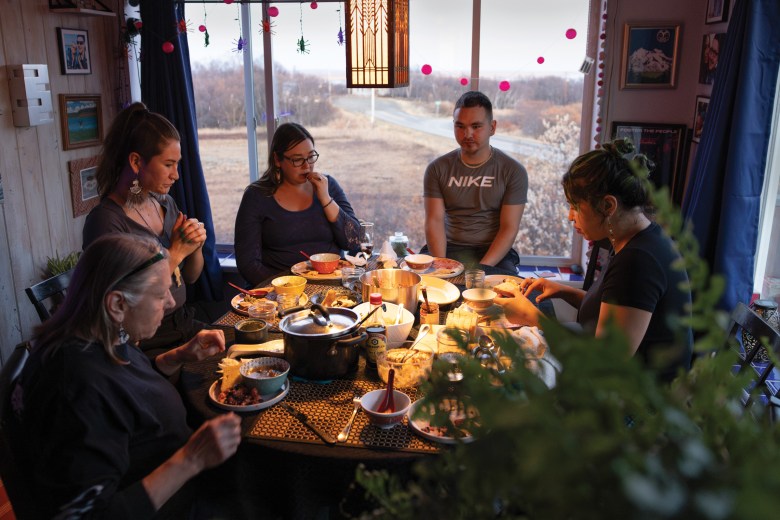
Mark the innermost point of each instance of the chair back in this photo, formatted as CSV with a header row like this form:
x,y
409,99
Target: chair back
x,y
747,320
46,289
14,482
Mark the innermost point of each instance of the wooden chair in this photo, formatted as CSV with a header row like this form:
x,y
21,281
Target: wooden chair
x,y
18,492
46,289
745,319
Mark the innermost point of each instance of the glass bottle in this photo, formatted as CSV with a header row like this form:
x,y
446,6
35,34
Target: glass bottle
x,y
376,329
399,242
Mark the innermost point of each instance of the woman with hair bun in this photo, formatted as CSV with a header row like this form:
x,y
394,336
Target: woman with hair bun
x,y
640,288
138,165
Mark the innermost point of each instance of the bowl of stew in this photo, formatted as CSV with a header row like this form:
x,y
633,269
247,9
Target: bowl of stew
x,y
267,374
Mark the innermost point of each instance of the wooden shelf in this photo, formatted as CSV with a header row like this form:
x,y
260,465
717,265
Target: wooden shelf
x,y
69,6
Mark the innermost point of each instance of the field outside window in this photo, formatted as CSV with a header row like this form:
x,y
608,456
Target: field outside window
x,y
379,156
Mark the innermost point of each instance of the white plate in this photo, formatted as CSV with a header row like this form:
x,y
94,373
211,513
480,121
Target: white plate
x,y
438,263
307,271
274,348
267,400
439,291
418,424
303,299
492,280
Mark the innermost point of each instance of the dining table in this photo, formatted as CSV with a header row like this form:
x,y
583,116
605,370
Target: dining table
x,y
314,474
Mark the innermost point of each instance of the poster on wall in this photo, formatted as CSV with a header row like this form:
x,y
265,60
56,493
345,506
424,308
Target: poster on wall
x,y
649,56
665,145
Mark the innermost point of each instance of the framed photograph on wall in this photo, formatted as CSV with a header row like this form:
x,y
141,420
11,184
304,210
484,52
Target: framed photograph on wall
x,y
702,104
665,145
650,55
710,49
717,11
74,51
81,119
83,185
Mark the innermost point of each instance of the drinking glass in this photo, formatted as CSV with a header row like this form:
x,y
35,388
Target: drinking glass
x,y
367,237
350,276
474,278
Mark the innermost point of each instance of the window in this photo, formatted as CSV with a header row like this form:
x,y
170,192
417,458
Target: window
x,y
377,143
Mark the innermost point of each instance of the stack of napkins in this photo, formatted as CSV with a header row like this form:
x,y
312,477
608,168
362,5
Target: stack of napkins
x,y
387,258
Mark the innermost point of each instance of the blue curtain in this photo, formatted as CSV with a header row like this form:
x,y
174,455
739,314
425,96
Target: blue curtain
x,y
723,197
166,87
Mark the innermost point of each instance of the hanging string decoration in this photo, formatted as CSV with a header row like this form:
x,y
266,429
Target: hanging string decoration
x,y
202,28
340,35
183,26
267,26
599,109
239,44
303,44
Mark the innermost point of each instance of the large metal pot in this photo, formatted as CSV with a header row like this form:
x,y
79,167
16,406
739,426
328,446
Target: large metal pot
x,y
322,343
395,285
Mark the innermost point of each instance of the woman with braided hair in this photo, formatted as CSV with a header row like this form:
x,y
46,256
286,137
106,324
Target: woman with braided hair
x,y
639,288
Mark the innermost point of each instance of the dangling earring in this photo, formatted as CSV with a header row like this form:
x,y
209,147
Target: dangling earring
x,y
124,337
610,231
278,175
135,198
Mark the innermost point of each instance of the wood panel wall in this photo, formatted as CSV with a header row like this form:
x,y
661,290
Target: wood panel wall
x,y
36,215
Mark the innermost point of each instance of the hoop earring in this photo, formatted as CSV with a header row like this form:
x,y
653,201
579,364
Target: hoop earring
x,y
135,197
124,337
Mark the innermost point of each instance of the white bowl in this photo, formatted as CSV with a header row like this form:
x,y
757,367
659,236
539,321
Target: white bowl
x,y
418,262
371,401
479,299
396,334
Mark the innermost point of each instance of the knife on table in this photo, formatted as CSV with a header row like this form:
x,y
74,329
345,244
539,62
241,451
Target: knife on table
x,y
325,436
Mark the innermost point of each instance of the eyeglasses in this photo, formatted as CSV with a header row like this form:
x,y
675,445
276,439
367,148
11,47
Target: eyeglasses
x,y
298,161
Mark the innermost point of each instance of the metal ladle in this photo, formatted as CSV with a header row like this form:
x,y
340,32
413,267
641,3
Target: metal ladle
x,y
487,349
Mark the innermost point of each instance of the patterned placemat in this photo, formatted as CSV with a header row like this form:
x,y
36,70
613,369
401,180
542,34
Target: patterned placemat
x,y
329,407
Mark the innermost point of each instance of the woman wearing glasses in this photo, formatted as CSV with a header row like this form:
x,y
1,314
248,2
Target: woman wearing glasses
x,y
292,208
98,430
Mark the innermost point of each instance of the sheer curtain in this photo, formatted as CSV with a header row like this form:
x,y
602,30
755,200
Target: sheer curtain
x,y
723,197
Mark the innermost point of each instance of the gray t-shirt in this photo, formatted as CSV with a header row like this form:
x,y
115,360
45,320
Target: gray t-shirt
x,y
473,196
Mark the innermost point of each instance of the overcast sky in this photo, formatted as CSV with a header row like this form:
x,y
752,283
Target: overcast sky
x,y
514,34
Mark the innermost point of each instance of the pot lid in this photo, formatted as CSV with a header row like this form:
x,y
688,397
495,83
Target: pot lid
x,y
320,322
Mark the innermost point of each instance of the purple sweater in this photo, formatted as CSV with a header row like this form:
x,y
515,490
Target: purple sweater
x,y
269,238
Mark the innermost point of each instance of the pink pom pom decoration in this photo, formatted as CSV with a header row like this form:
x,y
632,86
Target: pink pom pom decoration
x,y
540,60
167,47
504,86
426,69
313,5
202,28
273,11
464,81
571,34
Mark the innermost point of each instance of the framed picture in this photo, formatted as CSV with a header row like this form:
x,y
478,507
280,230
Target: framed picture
x,y
650,54
702,103
717,11
83,185
665,145
81,118
74,51
710,49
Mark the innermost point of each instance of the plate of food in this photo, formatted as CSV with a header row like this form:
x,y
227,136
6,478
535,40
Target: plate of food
x,y
441,268
241,302
439,291
242,398
337,297
422,427
507,283
307,271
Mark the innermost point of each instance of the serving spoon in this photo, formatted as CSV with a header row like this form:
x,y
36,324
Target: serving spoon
x,y
420,335
256,293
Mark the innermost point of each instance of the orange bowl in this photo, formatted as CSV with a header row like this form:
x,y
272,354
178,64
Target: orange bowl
x,y
324,263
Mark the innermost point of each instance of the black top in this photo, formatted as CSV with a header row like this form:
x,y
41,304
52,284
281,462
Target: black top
x,y
641,275
91,429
